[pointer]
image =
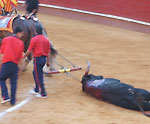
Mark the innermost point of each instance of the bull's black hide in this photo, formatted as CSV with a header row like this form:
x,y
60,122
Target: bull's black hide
x,y
116,92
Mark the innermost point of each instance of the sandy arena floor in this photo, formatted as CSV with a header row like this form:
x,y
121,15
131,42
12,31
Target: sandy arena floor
x,y
113,52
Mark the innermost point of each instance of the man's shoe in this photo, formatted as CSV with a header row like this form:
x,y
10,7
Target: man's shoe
x,y
33,92
5,101
40,96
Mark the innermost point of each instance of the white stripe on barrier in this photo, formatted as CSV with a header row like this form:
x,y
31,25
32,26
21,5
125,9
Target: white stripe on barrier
x,y
14,107
93,13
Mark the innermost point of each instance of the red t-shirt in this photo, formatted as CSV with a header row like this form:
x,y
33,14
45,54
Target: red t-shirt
x,y
39,46
12,48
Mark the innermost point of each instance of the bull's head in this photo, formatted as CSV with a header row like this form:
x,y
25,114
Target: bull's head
x,y
88,77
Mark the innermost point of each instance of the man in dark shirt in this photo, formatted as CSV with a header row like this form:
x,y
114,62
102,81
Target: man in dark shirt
x,y
31,7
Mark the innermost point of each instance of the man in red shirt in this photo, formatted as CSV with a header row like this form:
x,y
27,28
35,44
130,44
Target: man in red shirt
x,y
12,51
40,47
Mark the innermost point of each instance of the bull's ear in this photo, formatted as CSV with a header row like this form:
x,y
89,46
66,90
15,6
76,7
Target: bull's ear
x,y
101,77
84,78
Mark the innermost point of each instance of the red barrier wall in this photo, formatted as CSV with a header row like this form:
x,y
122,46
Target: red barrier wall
x,y
133,9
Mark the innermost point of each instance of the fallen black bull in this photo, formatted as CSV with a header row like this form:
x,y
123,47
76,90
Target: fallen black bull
x,y
116,92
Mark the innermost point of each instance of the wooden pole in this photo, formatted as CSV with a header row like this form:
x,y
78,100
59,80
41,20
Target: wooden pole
x,y
63,70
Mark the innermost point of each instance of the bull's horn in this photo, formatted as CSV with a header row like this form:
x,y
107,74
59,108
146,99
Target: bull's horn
x,y
87,69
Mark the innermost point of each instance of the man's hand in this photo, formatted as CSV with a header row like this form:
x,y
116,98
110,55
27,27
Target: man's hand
x,y
26,54
20,70
0,65
47,64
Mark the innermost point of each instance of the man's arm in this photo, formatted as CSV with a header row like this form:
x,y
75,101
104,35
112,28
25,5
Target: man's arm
x,y
1,57
31,46
20,65
48,60
27,53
